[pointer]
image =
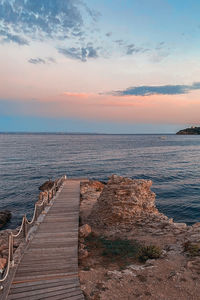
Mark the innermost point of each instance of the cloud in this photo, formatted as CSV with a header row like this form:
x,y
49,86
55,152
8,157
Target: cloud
x,y
108,34
91,52
7,37
39,19
130,49
91,12
158,90
39,61
51,60
160,46
79,95
83,53
133,49
158,56
120,42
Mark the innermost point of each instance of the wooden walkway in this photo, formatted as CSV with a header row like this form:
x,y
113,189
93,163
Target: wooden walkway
x,y
49,266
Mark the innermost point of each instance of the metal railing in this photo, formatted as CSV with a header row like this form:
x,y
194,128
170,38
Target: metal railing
x,y
26,225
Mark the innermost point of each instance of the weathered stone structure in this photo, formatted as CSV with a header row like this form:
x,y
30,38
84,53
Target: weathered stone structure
x,y
122,199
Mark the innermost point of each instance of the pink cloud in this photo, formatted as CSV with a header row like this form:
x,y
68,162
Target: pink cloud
x,y
132,109
79,95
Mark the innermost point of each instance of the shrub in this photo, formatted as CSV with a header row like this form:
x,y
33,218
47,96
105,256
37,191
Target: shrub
x,y
192,249
119,247
122,249
149,252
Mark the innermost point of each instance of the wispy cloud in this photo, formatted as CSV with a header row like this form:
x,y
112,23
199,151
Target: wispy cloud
x,y
157,90
130,49
39,61
6,37
79,95
49,19
108,34
82,54
120,42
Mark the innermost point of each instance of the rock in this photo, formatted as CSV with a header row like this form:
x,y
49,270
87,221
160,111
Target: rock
x,y
115,274
3,247
85,230
5,253
3,262
180,225
82,253
122,199
46,186
91,190
137,267
163,254
150,262
5,216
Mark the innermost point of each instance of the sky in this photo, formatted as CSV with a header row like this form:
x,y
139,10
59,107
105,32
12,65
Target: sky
x,y
99,66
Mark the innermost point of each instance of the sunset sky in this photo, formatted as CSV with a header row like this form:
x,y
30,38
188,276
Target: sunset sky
x,y
113,66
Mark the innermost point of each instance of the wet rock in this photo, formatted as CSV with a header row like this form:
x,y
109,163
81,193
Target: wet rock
x,y
5,216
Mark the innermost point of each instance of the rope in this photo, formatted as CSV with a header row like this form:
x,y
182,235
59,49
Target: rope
x,y
23,227
10,242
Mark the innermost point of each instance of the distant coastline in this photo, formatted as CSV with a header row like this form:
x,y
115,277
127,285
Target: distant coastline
x,y
192,130
79,133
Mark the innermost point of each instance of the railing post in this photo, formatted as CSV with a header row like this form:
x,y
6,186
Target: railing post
x,y
11,242
25,227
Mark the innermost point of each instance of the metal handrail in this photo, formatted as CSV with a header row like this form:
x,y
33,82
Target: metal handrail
x,y
23,227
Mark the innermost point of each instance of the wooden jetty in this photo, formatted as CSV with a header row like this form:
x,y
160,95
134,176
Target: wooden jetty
x,y
48,268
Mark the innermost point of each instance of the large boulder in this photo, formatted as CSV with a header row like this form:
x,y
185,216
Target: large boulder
x,y
122,199
5,216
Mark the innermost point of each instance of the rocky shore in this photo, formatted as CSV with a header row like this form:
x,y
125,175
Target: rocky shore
x,y
5,216
192,130
129,250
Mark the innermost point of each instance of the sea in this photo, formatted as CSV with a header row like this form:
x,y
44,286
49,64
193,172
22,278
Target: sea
x,y
172,162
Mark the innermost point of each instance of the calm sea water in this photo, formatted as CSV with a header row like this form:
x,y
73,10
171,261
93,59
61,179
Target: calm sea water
x,y
173,164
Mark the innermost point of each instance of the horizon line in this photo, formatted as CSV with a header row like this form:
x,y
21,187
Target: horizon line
x,y
79,133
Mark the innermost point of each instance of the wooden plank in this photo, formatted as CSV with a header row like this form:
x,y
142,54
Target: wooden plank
x,y
45,294
51,279
31,284
44,276
49,267
54,286
52,256
45,267
46,290
62,297
50,260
